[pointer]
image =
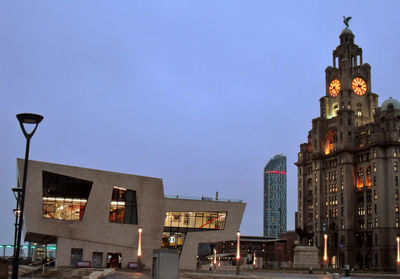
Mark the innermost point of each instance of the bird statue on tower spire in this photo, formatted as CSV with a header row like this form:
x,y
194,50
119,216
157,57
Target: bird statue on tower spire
x,y
346,20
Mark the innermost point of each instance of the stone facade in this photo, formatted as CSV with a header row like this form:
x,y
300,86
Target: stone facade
x,y
95,234
348,173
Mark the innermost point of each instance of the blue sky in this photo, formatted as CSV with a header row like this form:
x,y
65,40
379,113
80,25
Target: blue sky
x,y
199,93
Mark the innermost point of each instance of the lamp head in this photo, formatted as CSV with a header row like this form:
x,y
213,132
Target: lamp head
x,y
29,118
17,212
17,190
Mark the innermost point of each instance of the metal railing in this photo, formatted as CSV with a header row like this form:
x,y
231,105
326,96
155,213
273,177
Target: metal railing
x,y
40,267
201,198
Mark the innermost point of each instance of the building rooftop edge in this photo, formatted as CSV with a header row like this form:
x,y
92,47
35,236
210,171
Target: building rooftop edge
x,y
180,197
90,169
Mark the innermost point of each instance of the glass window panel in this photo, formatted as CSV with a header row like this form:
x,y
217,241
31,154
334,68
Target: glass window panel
x,y
60,193
123,207
75,210
128,215
44,207
214,220
221,221
192,219
120,212
186,220
50,209
199,220
175,219
113,213
167,220
67,209
82,208
206,221
59,209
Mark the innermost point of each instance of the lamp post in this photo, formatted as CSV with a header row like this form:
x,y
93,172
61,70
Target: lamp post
x,y
215,259
17,211
238,253
34,119
398,253
325,252
139,252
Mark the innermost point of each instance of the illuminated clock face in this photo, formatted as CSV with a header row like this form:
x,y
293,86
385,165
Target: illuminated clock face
x,y
359,86
334,87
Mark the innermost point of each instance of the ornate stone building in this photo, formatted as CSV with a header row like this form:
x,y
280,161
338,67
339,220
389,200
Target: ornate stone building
x,y
348,171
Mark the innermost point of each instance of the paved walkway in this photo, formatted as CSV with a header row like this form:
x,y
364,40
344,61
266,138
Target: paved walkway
x,y
129,275
276,275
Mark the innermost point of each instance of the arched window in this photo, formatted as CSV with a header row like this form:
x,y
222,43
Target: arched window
x,y
329,141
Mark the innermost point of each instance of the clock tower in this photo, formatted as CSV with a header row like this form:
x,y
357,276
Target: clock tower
x,y
349,168
348,83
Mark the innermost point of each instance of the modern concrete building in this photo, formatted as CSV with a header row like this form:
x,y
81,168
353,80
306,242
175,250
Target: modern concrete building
x,y
94,216
348,171
275,197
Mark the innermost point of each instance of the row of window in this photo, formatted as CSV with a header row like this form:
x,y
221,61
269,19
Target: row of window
x,y
333,213
360,158
361,210
361,223
194,221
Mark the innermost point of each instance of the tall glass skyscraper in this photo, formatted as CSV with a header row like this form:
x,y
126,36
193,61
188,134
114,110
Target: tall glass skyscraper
x,y
275,196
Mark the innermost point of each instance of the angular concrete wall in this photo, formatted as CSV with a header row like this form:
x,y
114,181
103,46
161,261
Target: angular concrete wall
x,y
95,233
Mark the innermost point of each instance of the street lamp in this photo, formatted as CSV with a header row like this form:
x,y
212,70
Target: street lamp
x,y
215,259
33,119
325,252
17,212
139,252
238,253
398,253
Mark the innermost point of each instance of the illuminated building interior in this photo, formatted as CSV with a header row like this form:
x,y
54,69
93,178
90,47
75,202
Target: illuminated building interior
x,y
123,206
329,141
194,221
360,178
177,224
64,197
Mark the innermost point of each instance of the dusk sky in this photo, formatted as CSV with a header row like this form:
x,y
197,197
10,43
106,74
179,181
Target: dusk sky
x,y
199,93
